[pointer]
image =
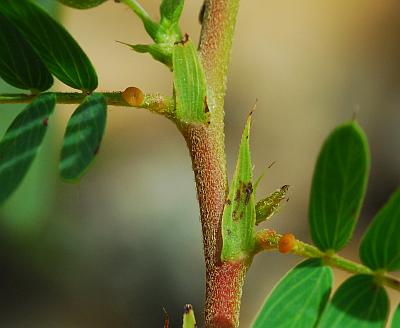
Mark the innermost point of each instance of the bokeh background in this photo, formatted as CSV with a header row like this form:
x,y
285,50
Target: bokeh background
x,y
125,242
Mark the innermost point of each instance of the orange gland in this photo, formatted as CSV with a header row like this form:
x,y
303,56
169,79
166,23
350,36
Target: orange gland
x,y
286,243
133,96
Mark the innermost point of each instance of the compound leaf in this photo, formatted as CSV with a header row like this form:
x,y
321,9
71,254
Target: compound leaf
x,y
21,142
83,136
358,302
55,46
20,66
338,187
299,298
380,246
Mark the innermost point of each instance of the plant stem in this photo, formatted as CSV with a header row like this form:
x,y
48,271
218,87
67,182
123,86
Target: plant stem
x,y
224,280
269,240
153,102
137,8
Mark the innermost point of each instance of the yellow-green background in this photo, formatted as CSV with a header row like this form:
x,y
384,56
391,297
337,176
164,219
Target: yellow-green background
x,y
125,242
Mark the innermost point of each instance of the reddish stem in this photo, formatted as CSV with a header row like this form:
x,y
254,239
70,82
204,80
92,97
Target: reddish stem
x,y
224,280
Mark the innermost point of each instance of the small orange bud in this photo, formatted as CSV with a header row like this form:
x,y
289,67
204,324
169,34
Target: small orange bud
x,y
286,243
133,96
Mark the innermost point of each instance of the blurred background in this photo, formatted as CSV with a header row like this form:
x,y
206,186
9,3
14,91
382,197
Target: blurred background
x,y
125,242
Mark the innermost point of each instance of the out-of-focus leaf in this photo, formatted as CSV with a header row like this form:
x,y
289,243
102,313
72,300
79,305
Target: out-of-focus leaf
x,y
189,82
358,302
380,246
83,136
396,318
82,4
20,66
24,214
338,187
189,321
299,298
54,45
238,218
21,142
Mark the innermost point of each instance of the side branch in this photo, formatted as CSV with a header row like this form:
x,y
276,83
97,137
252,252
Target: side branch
x,y
153,102
270,240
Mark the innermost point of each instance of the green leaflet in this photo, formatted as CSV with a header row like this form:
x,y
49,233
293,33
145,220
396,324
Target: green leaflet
x,y
20,66
21,142
267,207
189,321
358,302
83,136
299,298
338,187
82,4
380,246
189,83
55,46
238,218
396,318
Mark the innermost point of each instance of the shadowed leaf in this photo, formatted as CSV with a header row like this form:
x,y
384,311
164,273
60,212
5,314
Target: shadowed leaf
x,y
21,142
298,299
238,218
20,66
54,45
83,136
189,83
338,187
380,246
358,302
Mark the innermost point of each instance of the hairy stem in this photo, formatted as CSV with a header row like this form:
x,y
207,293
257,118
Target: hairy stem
x,y
224,280
269,240
153,102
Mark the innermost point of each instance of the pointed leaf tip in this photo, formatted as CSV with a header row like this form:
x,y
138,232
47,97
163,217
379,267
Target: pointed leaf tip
x,y
238,218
